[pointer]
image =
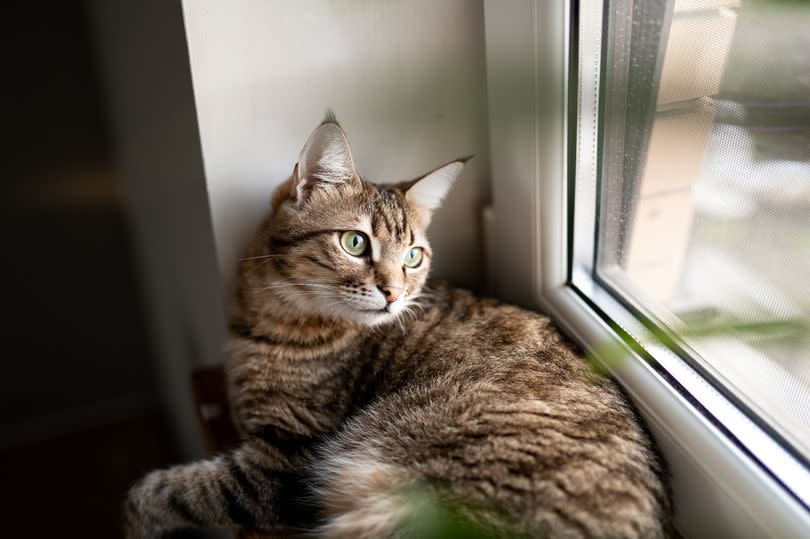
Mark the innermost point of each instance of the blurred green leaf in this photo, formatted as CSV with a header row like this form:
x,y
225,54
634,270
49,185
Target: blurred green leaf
x,y
433,518
705,324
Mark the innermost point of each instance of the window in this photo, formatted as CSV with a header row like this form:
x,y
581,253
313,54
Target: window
x,y
704,193
668,210
696,195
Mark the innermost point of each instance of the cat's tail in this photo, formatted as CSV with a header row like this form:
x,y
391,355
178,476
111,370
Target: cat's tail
x,y
239,489
361,497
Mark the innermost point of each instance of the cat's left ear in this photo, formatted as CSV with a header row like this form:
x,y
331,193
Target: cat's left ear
x,y
429,191
326,160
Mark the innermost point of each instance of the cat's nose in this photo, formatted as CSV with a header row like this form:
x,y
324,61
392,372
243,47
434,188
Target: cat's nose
x,y
391,293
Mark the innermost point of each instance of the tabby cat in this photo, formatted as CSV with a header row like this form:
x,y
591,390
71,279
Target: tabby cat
x,y
354,380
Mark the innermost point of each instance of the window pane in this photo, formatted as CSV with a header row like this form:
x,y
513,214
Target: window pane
x,y
704,212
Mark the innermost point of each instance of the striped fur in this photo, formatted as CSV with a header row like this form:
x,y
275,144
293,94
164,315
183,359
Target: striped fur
x,y
343,409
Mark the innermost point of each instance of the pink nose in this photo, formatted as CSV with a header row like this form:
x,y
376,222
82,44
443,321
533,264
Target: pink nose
x,y
391,293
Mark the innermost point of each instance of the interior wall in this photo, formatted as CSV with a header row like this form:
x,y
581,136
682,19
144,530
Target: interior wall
x,y
406,79
144,63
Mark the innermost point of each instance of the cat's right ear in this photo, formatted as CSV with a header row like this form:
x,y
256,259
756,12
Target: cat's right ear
x,y
428,191
326,160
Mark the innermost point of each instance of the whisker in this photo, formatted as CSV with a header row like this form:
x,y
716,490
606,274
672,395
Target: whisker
x,y
401,327
417,305
260,264
412,315
257,257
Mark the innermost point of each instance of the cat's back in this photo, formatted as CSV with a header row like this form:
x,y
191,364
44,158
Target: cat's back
x,y
460,308
476,329
496,353
504,407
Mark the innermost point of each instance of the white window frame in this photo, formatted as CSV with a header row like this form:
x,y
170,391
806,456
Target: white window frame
x,y
721,487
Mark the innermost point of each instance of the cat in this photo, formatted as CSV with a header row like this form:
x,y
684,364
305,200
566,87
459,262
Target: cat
x,y
354,380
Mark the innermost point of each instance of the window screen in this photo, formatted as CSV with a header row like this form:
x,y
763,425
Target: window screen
x,y
703,190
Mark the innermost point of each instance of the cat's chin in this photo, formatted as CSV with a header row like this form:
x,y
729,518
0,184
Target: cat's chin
x,y
363,315
372,317
351,314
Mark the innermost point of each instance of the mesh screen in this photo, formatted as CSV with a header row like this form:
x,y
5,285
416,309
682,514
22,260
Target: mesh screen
x,y
709,227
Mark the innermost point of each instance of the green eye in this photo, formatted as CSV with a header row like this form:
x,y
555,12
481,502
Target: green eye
x,y
413,257
355,243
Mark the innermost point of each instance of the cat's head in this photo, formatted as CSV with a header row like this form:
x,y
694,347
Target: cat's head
x,y
339,247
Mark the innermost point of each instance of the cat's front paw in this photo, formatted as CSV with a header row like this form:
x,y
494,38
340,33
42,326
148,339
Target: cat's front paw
x,y
137,525
135,528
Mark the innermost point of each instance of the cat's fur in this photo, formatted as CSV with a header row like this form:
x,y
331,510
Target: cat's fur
x,y
345,403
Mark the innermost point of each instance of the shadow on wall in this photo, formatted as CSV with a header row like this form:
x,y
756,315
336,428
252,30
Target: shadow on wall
x,y
78,399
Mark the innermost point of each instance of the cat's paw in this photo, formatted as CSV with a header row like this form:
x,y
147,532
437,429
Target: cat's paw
x,y
135,529
138,529
137,525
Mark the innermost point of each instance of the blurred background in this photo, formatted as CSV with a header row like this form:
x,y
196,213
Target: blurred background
x,y
79,401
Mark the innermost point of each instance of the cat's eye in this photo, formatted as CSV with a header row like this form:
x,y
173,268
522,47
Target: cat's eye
x,y
353,242
413,258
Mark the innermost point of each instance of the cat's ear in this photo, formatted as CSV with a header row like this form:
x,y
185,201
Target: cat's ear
x,y
428,191
326,160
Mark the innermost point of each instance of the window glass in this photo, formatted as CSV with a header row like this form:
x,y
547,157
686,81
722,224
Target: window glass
x,y
703,222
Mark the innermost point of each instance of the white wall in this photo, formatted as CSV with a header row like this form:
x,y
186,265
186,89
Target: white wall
x,y
406,79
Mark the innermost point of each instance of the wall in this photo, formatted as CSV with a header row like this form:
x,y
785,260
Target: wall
x,y
406,79
144,63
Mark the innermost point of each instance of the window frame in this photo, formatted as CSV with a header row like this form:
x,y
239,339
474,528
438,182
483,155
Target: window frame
x,y
719,485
